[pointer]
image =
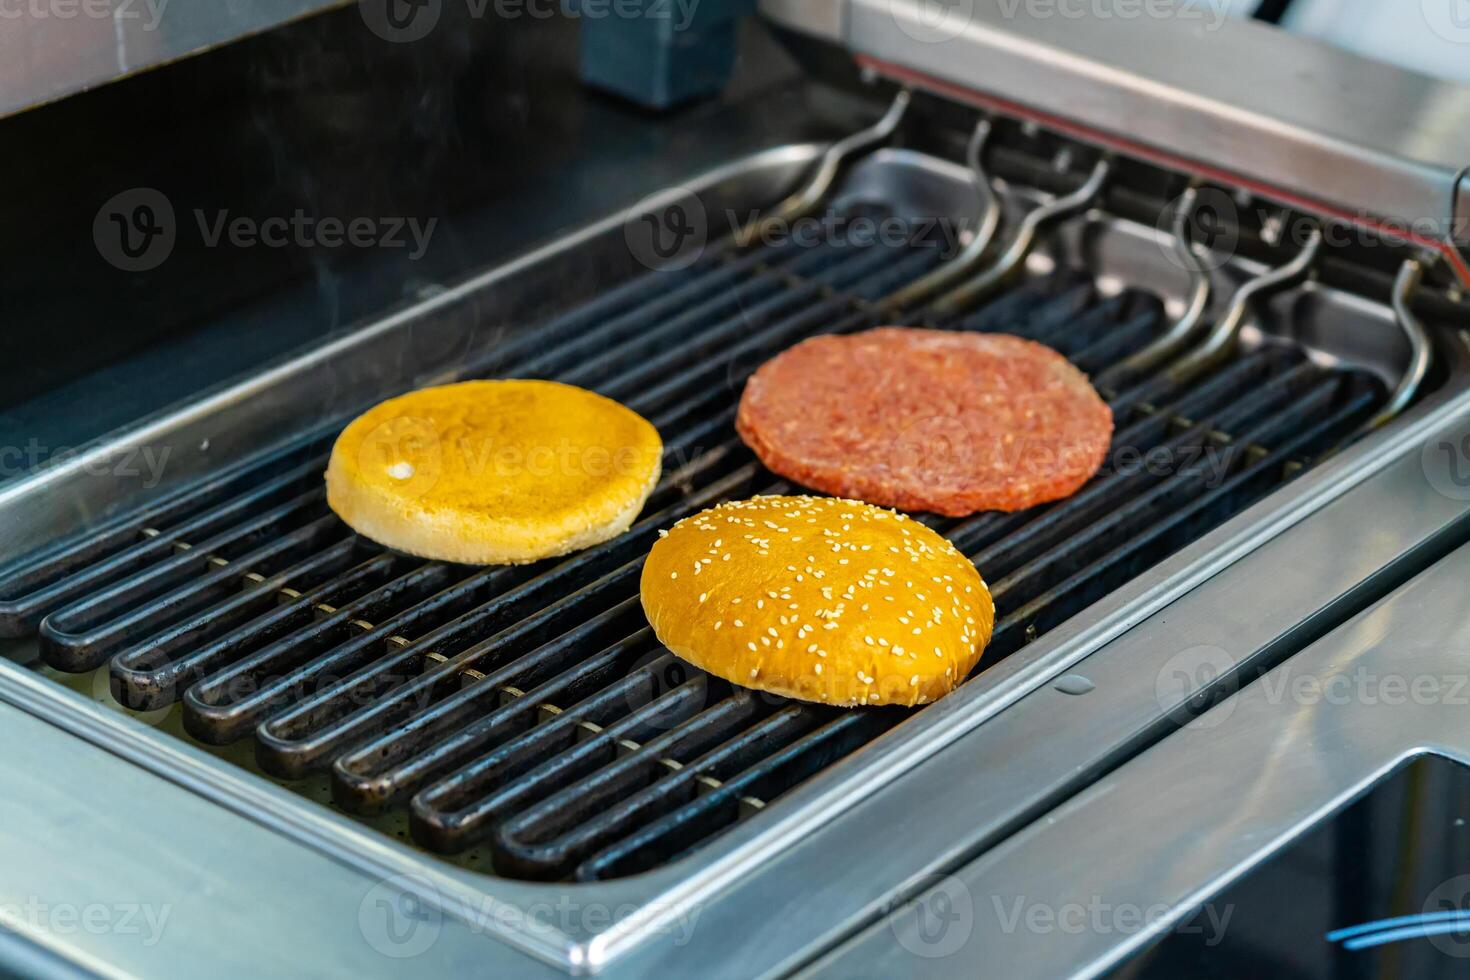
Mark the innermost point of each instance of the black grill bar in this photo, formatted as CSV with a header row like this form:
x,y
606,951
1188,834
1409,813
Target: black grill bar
x,y
530,709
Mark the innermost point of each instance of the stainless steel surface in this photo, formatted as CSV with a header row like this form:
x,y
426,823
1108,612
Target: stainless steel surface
x,y
49,51
973,252
1006,266
1224,793
1225,334
1229,99
1404,287
176,885
819,833
816,18
810,194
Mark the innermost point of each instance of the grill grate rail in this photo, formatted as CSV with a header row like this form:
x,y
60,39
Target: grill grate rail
x,y
530,709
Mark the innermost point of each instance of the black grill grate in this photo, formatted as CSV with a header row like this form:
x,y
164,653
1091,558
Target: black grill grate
x,y
530,710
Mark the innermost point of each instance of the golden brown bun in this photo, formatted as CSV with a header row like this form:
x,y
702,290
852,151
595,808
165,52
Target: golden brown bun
x,y
494,472
819,599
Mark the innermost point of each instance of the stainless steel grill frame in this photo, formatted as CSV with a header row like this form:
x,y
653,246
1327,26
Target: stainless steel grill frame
x,y
660,894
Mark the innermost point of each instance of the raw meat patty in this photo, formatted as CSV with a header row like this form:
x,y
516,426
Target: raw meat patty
x,y
927,420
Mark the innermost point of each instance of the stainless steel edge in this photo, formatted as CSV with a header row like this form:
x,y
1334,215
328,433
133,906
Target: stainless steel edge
x,y
824,19
764,850
49,51
1358,135
1306,757
140,878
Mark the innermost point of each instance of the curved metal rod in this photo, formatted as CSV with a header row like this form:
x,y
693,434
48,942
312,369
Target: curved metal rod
x,y
810,194
989,224
1411,274
996,276
1176,338
1221,340
1451,234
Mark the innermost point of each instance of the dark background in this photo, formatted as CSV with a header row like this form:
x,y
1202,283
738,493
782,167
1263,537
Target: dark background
x,y
483,125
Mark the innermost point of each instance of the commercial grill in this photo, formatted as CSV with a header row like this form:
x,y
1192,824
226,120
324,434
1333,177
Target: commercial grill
x,y
522,722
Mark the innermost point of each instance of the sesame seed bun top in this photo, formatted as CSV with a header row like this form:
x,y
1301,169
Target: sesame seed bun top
x,y
819,599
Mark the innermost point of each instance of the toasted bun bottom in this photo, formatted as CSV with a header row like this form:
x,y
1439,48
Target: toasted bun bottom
x,y
494,472
466,539
819,599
